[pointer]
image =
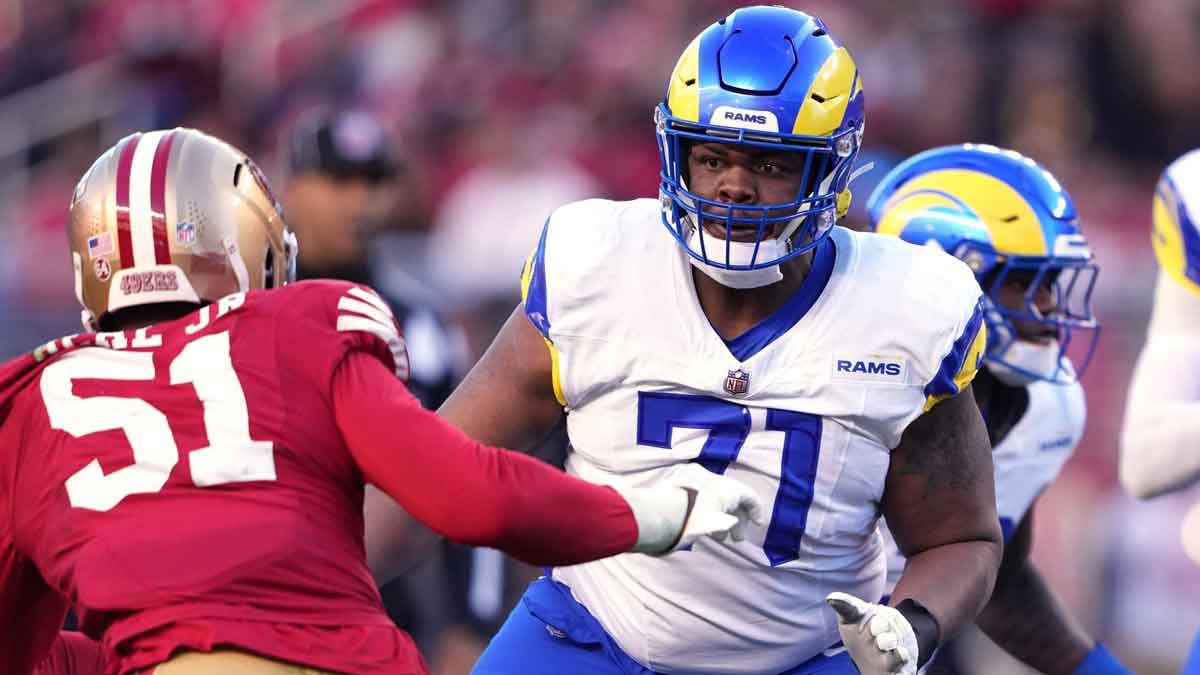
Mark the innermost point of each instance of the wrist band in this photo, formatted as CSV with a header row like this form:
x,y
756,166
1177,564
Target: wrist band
x,y
925,627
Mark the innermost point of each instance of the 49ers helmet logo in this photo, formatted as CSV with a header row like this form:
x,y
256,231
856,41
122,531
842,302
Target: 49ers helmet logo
x,y
262,184
102,268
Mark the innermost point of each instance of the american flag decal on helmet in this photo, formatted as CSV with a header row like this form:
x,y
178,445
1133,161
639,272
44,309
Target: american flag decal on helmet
x,y
737,382
362,310
100,245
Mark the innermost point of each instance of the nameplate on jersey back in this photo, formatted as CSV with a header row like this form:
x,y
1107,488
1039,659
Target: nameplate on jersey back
x,y
871,368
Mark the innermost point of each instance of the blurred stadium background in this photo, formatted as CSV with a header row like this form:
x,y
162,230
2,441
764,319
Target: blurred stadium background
x,y
499,110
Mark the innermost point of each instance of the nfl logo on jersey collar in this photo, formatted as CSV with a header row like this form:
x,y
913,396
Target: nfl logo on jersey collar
x,y
737,382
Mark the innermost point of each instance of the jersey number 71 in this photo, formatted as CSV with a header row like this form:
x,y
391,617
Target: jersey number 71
x,y
728,425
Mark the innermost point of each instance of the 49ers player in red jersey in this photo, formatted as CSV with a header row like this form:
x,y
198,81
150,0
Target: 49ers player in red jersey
x,y
190,478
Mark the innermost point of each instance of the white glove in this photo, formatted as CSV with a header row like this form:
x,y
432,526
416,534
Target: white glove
x,y
878,637
696,503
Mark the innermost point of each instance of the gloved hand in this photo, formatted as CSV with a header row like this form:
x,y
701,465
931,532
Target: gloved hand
x,y
878,637
692,504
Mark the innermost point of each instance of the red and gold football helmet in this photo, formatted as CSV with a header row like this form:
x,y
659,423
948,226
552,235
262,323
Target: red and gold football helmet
x,y
174,216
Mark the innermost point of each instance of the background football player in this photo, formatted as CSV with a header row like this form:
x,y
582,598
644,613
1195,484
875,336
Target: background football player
x,y
1160,439
191,481
1014,225
827,369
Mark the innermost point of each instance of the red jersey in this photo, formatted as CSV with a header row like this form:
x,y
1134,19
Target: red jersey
x,y
72,654
191,475
190,485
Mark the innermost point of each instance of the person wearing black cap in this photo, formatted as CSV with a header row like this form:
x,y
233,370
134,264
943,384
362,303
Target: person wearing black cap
x,y
343,172
343,179
341,164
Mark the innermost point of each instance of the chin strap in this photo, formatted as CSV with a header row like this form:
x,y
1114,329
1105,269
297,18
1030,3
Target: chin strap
x,y
843,203
236,263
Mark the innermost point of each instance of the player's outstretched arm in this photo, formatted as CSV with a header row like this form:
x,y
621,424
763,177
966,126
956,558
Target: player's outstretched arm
x,y
507,399
485,496
1026,619
1162,415
940,503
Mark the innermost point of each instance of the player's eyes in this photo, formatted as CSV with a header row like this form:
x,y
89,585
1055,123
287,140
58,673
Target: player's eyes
x,y
774,169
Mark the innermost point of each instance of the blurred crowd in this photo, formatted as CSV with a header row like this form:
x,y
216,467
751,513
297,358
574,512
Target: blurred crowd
x,y
465,122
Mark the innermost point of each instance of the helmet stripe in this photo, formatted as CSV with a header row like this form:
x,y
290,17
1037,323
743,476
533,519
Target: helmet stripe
x,y
683,93
124,168
835,83
158,199
141,225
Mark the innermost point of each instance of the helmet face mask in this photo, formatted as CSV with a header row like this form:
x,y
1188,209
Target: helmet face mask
x,y
174,216
764,78
1012,223
1018,317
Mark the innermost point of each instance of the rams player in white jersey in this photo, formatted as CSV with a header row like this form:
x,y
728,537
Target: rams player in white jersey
x,y
1160,440
829,370
1015,226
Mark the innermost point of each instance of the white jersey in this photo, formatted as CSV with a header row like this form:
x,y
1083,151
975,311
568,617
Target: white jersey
x,y
1026,460
804,408
1162,413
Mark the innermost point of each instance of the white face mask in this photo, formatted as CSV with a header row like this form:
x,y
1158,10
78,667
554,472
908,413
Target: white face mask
x,y
740,253
1023,359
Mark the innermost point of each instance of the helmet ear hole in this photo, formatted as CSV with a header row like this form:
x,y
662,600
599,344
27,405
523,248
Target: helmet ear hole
x,y
268,268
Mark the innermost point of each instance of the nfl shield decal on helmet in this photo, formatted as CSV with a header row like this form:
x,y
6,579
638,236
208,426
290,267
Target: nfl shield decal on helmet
x,y
185,232
737,382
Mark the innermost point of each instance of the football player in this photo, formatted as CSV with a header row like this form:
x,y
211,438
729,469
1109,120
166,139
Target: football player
x,y
1162,414
827,369
190,479
1014,225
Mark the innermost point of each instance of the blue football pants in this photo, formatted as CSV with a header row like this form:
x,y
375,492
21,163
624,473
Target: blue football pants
x,y
550,633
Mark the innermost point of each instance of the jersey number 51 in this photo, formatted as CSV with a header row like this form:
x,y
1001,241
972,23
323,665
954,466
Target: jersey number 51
x,y
230,457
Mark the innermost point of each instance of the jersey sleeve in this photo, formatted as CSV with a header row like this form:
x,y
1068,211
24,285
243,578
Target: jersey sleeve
x,y
943,311
324,321
469,492
961,361
31,612
565,273
534,299
72,654
1162,411
1176,236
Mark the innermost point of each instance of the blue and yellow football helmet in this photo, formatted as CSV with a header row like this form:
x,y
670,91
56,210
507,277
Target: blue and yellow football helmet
x,y
769,77
1009,220
1176,235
